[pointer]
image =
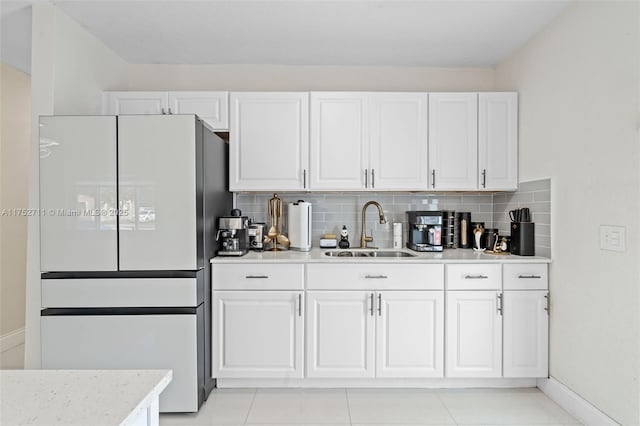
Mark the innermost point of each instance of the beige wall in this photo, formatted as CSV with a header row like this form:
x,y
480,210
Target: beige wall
x,y
304,78
15,119
69,70
578,83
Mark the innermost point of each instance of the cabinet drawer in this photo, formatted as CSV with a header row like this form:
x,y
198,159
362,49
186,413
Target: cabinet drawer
x,y
370,276
525,276
474,277
257,276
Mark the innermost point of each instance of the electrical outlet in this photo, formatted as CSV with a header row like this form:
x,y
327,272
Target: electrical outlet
x,y
612,238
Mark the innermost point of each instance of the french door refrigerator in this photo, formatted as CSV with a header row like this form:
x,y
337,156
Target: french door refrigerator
x,y
128,207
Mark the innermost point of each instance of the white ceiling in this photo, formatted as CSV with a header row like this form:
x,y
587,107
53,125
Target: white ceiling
x,y
451,33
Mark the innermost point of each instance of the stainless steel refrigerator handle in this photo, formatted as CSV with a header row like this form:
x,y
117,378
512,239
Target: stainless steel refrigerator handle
x,y
433,178
379,304
373,178
499,303
536,277
372,303
484,178
299,304
304,178
366,178
475,277
256,276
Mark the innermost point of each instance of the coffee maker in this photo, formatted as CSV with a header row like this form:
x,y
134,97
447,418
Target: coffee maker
x,y
424,230
232,234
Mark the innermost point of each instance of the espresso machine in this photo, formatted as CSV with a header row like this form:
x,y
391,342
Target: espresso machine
x,y
424,230
232,234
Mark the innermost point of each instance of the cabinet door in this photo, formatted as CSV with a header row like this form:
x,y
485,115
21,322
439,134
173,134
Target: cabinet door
x,y
269,138
257,334
211,107
134,103
339,141
526,334
410,336
78,227
498,141
474,334
399,139
453,140
157,192
340,333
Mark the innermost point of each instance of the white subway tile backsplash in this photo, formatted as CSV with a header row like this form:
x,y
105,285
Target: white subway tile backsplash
x,y
333,210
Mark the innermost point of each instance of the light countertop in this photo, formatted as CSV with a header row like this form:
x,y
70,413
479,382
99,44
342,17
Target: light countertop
x,y
317,255
78,397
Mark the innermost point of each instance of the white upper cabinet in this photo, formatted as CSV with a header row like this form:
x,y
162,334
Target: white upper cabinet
x,y
269,140
211,107
398,144
78,230
368,141
339,141
498,141
453,141
134,103
157,192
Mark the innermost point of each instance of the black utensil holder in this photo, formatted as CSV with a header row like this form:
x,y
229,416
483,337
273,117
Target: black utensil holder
x,y
523,241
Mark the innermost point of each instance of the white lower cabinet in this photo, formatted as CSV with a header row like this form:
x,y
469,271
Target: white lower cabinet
x,y
474,334
410,334
340,334
407,342
258,334
526,334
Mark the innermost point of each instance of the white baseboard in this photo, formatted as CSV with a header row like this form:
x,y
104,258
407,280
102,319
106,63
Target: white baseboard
x,y
574,404
12,339
435,383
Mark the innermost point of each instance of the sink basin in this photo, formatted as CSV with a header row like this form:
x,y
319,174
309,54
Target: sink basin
x,y
354,253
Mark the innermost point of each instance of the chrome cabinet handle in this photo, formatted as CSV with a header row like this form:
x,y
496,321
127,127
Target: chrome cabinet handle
x,y
366,178
372,303
256,276
373,178
548,305
475,277
499,303
525,277
379,304
484,178
304,178
299,304
433,178
376,277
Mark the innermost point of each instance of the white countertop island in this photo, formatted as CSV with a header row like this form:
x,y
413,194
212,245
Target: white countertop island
x,y
81,397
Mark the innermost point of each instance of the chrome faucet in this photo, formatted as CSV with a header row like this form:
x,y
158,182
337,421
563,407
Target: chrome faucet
x,y
364,239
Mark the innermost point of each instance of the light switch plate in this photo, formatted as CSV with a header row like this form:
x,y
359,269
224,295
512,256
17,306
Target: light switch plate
x,y
612,238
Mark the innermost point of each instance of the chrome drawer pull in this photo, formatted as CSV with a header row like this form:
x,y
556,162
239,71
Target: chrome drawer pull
x,y
499,303
475,277
256,276
372,303
536,277
376,277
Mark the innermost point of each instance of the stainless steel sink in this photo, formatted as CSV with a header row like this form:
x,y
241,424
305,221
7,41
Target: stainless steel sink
x,y
365,254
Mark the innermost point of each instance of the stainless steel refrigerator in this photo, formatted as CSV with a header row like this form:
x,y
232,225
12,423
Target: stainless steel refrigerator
x,y
128,207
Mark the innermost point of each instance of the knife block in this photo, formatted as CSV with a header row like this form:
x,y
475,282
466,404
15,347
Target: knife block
x,y
523,241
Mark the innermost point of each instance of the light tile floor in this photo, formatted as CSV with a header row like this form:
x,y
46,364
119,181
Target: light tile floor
x,y
364,407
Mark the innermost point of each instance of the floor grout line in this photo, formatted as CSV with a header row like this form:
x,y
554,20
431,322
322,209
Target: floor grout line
x,y
446,407
255,393
346,395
